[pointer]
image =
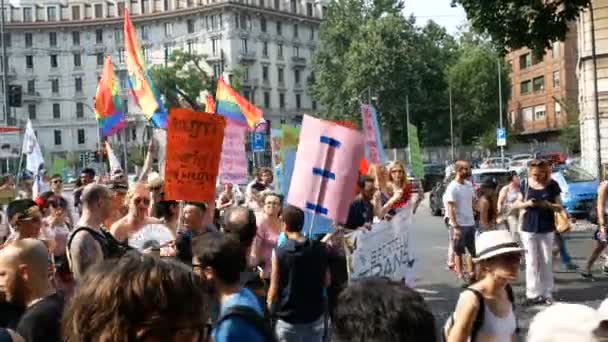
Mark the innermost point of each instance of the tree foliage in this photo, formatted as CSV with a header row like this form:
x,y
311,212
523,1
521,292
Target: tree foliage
x,y
514,23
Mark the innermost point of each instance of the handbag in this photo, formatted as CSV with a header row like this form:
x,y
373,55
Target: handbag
x,y
562,222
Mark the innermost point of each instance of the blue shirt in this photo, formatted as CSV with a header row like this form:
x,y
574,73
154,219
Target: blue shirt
x,y
236,328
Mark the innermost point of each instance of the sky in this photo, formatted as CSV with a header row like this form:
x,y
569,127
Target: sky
x,y
439,11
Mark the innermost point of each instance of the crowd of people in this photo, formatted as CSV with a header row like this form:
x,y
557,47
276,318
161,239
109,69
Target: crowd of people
x,y
243,268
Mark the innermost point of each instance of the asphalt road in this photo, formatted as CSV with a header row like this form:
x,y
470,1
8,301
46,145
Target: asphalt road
x,y
441,288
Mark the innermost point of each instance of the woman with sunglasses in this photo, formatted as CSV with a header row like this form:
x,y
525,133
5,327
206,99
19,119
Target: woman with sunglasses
x,y
25,219
398,188
491,297
267,236
57,227
138,202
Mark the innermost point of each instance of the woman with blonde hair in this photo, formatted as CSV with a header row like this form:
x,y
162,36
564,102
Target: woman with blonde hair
x,y
398,189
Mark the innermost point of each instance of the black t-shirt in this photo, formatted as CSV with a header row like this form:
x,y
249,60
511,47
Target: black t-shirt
x,y
302,268
361,211
10,314
540,219
42,321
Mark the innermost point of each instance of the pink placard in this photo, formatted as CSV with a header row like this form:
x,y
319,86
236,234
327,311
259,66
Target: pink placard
x,y
371,140
326,168
233,162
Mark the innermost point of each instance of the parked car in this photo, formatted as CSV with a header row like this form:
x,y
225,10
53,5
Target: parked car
x,y
579,188
433,174
495,162
499,176
555,158
523,156
517,165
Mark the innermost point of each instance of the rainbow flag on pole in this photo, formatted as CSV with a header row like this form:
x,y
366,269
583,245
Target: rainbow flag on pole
x,y
142,87
109,110
235,107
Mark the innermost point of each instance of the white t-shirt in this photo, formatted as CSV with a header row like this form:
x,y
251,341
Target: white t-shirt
x,y
462,196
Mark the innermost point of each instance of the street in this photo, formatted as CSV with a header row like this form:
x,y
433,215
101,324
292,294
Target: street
x,y
441,288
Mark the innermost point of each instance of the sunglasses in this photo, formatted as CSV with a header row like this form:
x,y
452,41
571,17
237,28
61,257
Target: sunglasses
x,y
57,181
138,201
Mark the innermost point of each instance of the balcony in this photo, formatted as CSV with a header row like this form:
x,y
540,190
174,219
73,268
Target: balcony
x,y
31,96
247,56
298,61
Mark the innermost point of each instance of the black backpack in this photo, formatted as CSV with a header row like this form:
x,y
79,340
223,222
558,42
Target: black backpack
x,y
479,317
110,247
252,317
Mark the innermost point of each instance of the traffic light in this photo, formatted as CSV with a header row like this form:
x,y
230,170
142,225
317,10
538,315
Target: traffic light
x,y
14,95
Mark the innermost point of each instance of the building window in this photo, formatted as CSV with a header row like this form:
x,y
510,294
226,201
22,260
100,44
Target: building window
x,y
279,28
77,60
527,114
51,13
81,137
296,51
265,49
525,61
282,100
144,32
55,86
555,50
298,101
265,73
31,111
323,11
7,39
76,38
79,110
28,39
295,30
121,8
314,105
190,24
75,12
296,76
110,12
556,79
266,99
134,134
31,87
145,6
525,87
118,38
99,36
293,7
309,9
245,73
263,24
78,84
214,46
57,134
538,84
280,50
280,75
244,45
277,4
557,108
52,39
53,61
167,54
27,14
29,61
168,29
190,45
56,111
98,10
539,112
99,57
217,70
312,33
122,76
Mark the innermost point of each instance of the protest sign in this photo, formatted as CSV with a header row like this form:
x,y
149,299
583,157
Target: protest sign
x,y
276,137
233,164
384,251
415,152
373,145
194,144
326,168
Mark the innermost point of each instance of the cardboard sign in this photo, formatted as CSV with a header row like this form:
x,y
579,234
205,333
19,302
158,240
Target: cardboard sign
x,y
233,164
194,144
326,168
384,251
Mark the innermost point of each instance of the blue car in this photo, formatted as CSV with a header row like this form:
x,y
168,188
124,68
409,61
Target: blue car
x,y
579,188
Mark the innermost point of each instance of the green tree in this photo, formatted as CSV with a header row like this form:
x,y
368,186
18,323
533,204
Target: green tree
x,y
136,155
514,23
183,78
72,161
570,134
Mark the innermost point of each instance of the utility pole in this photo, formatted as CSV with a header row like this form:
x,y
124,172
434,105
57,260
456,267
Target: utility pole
x,y
502,148
596,102
451,124
6,108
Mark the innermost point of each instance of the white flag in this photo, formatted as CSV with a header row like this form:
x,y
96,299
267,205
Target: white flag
x,y
31,149
112,159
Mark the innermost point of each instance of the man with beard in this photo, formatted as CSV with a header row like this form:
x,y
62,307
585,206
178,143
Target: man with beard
x,y
24,281
138,201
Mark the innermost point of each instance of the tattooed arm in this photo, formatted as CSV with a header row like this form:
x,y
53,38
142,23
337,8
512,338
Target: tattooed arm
x,y
85,252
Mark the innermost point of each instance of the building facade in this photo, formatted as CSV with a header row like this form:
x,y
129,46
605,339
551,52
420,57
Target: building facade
x,y
56,51
542,89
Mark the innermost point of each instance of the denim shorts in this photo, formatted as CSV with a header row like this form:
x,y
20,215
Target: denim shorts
x,y
466,241
305,332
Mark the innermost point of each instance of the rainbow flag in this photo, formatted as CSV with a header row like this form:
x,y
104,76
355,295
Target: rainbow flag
x,y
235,107
109,110
142,87
210,105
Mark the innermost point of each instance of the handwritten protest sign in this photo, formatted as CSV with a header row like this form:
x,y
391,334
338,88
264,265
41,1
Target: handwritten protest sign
x,y
325,171
384,251
194,144
233,164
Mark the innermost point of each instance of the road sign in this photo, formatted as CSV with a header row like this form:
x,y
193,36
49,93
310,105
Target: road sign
x,y
501,137
259,142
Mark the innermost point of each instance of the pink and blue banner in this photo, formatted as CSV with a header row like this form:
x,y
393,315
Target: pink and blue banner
x,y
374,151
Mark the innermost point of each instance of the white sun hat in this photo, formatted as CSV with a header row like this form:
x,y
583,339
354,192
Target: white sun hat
x,y
495,242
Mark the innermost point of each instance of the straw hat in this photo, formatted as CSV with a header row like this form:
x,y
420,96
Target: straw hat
x,y
495,242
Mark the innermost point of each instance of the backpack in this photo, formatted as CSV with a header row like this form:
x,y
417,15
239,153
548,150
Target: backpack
x,y
110,247
478,323
252,317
